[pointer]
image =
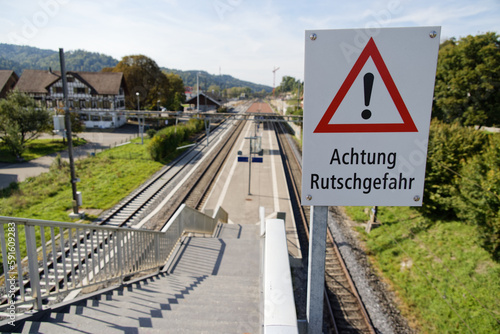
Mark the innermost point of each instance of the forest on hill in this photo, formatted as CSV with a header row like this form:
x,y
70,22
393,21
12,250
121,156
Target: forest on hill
x,y
19,58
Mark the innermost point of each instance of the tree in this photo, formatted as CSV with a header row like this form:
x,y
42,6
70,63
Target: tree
x,y
288,85
176,96
21,120
142,75
235,92
214,90
468,80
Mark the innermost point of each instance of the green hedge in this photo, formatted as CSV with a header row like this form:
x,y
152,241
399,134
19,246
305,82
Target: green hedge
x,y
165,142
463,180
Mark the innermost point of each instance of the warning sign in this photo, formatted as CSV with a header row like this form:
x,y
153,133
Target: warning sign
x,y
407,125
367,104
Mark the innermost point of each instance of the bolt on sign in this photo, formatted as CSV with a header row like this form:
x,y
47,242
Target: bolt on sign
x,y
367,109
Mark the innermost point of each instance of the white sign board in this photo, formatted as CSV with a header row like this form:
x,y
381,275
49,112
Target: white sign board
x,y
367,109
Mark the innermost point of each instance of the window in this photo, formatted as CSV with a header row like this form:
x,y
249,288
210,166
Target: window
x,y
84,117
57,90
79,90
70,79
95,118
107,118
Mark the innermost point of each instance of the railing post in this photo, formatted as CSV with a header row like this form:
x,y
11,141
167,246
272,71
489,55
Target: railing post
x,y
33,265
119,254
157,249
5,261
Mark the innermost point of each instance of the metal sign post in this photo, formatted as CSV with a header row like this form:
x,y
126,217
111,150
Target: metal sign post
x,y
316,269
250,163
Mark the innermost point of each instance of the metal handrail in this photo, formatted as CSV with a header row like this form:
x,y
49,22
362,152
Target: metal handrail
x,y
81,255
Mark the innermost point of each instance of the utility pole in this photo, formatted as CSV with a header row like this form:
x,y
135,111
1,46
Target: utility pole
x,y
274,77
67,120
198,91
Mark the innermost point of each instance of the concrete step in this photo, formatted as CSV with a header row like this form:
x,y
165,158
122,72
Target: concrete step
x,y
147,326
236,231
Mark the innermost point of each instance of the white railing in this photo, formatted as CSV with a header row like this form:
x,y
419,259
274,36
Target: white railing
x,y
44,259
279,303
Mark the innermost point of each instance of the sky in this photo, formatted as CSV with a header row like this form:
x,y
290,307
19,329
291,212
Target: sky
x,y
243,38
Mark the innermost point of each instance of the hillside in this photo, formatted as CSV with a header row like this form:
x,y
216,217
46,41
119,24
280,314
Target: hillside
x,y
223,81
19,58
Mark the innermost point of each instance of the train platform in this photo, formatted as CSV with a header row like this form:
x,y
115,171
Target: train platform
x,y
268,187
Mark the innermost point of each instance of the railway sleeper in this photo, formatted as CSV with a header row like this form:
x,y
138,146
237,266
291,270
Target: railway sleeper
x,y
355,326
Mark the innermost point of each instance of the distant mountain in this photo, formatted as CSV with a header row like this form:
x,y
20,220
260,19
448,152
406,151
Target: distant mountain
x,y
19,58
223,81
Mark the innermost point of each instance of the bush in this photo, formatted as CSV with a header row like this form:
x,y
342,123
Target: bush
x,y
479,201
449,147
151,133
166,141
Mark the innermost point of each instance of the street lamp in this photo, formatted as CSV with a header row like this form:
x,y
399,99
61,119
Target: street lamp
x,y
141,125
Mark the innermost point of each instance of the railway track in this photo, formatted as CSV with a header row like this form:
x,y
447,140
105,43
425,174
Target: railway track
x,y
132,209
194,191
343,306
197,194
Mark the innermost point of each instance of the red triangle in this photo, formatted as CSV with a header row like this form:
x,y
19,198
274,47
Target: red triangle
x,y
370,50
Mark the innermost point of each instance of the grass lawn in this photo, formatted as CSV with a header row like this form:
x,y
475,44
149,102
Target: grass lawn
x,y
446,281
38,148
105,180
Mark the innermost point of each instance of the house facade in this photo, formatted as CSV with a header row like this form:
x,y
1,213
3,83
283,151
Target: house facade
x,y
99,97
206,103
8,80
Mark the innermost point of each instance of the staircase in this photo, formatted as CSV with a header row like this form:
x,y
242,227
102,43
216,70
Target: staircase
x,y
211,285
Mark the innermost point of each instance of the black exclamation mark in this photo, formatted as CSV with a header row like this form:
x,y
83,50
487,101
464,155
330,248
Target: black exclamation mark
x,y
368,83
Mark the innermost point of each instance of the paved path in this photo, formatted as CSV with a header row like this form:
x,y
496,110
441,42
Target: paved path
x,y
18,172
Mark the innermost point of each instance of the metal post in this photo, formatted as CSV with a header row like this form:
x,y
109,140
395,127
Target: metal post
x,y
207,129
142,130
316,269
119,254
33,265
249,166
198,92
68,131
140,123
157,250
